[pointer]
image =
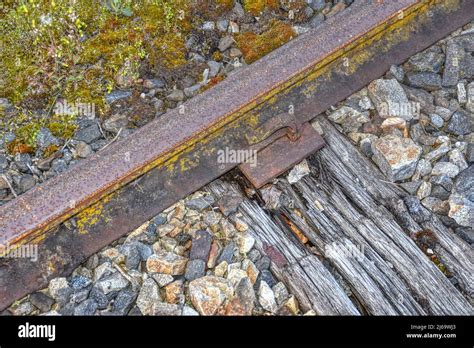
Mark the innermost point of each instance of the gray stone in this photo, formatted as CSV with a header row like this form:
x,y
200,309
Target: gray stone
x,y
425,99
466,233
470,97
470,153
244,299
396,157
45,138
317,5
411,186
60,290
214,68
266,298
225,43
83,150
162,279
267,276
41,301
425,80
3,163
132,255
397,72
166,309
254,255
114,96
112,283
445,168
176,95
124,301
424,190
99,297
316,20
416,210
86,308
443,180
116,122
192,91
208,26
430,60
461,210
263,263
201,246
153,83
436,120
436,205
27,182
195,269
437,153
281,293
439,192
457,158
222,25
454,54
79,282
459,124
149,295
464,183
390,99
88,134
200,203
189,311
59,165
227,253
67,309
22,161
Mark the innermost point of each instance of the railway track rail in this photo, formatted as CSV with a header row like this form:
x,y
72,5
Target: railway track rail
x,y
265,108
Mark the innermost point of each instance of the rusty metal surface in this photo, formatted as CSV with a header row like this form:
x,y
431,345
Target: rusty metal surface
x,y
132,180
69,192
281,155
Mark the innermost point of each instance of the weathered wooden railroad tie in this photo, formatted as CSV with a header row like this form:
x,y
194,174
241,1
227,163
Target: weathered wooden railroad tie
x,y
267,108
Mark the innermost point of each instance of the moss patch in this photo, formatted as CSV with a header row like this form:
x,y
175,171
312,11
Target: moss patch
x,y
256,7
80,50
254,46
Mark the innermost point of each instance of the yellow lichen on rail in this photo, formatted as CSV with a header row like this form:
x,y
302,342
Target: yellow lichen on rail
x,y
92,215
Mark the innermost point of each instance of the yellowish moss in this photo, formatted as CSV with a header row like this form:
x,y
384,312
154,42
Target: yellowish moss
x,y
256,7
80,50
254,46
211,9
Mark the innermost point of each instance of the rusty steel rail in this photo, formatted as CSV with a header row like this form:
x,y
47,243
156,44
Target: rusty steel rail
x,y
80,211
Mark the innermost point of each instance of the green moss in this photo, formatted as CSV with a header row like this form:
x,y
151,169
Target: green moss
x,y
254,46
80,50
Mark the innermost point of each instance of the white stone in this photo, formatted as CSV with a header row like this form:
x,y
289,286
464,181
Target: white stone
x,y
266,298
397,157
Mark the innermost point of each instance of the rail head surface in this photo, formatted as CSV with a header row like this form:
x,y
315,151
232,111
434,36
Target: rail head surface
x,y
49,204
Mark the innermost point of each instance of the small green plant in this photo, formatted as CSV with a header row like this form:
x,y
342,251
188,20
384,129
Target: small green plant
x,y
120,7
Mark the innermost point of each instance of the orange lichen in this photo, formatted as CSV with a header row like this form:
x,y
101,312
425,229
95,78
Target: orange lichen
x,y
254,46
212,82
